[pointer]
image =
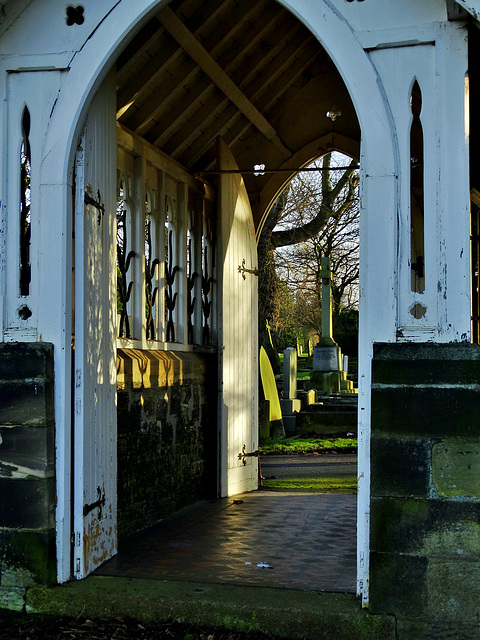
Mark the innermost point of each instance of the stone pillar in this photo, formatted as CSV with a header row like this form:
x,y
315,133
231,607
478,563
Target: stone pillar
x,y
425,489
327,357
27,464
327,326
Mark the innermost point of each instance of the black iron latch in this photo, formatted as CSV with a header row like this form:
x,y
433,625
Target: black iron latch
x,y
244,455
100,503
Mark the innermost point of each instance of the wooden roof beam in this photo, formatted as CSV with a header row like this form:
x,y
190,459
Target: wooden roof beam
x,y
198,53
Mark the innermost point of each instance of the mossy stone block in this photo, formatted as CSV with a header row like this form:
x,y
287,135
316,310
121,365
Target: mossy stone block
x,y
26,402
400,467
438,629
27,557
12,598
397,584
426,364
433,528
453,590
456,469
27,451
26,360
27,504
426,412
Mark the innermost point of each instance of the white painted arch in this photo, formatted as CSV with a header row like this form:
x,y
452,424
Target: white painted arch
x,y
378,248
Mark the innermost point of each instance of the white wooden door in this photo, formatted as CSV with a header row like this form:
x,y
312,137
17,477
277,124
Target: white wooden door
x,y
94,382
238,341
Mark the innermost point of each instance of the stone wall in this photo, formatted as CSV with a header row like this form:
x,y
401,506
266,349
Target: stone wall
x,y
27,483
425,489
167,434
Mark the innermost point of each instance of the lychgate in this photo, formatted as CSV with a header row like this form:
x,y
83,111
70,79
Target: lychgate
x,y
130,210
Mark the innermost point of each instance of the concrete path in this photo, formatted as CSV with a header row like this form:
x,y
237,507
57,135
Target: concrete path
x,y
309,466
260,561
271,539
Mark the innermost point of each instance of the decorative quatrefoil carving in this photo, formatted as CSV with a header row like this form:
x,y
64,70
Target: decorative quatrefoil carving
x,y
75,15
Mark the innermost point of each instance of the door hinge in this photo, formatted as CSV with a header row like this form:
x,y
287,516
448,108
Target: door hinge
x,y
243,270
75,539
243,455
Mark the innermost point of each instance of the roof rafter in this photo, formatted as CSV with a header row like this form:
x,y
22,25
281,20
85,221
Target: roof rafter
x,y
198,53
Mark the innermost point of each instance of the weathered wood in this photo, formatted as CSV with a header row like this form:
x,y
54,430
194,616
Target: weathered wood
x,y
94,382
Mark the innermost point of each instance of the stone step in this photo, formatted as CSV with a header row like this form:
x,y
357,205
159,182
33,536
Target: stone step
x,y
320,408
328,418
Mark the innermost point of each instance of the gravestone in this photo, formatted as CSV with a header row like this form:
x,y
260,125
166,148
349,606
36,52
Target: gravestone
x,y
270,392
290,373
327,355
289,404
326,359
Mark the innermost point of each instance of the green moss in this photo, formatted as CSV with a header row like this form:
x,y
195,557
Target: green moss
x,y
455,468
284,613
29,557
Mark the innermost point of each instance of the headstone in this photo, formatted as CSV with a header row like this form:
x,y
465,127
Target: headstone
x,y
270,392
327,358
290,373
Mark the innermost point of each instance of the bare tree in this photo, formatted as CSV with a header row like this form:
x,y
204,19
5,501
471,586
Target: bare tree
x,y
316,215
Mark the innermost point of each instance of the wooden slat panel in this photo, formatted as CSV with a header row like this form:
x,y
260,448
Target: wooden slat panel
x,y
238,332
146,74
95,338
166,87
241,28
174,123
191,45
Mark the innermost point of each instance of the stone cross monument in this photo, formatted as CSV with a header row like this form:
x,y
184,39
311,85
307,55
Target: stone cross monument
x,y
325,275
326,355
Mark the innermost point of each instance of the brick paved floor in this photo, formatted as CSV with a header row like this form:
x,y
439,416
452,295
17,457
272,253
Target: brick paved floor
x,y
308,542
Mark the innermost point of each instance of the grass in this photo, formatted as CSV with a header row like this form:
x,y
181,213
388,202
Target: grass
x,y
303,375
296,446
313,485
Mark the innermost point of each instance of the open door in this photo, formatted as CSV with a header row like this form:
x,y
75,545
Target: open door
x,y
238,341
94,379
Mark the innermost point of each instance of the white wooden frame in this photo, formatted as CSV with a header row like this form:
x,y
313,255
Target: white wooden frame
x,y
172,182
359,38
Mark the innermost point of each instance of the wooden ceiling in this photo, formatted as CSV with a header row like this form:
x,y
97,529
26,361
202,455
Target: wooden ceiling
x,y
245,70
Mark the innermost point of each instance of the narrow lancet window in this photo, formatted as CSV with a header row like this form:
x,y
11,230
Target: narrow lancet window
x,y
417,196
25,223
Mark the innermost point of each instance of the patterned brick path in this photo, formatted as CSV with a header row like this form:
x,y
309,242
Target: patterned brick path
x,y
301,541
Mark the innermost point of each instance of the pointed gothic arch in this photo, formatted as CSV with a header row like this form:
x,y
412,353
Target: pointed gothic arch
x,y
378,174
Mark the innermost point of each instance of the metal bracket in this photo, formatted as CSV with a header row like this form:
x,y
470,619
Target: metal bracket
x,y
95,203
100,503
243,270
244,455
